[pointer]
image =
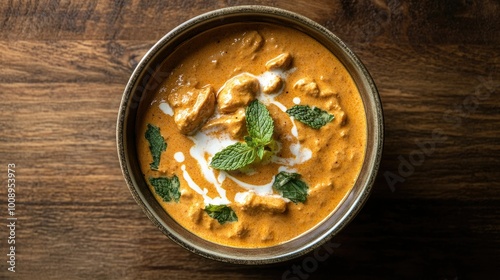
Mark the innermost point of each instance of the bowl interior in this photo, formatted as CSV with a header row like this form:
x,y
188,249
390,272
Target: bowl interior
x,y
148,76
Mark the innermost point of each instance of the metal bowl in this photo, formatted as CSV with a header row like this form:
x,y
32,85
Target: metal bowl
x,y
145,79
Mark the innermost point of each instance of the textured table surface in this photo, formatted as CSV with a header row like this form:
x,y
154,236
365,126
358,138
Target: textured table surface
x,y
435,208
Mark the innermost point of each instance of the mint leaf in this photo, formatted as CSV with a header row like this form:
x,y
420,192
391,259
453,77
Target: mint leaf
x,y
156,145
222,213
313,117
167,188
233,157
252,142
260,125
260,151
290,186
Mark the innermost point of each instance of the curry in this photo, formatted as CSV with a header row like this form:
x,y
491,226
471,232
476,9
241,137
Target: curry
x,y
255,136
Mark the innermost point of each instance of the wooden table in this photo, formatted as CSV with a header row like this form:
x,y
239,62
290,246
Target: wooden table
x,y
435,209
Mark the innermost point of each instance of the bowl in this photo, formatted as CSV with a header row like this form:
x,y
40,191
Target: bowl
x,y
145,79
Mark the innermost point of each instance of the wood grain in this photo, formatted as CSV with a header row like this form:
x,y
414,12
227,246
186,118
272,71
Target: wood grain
x,y
436,64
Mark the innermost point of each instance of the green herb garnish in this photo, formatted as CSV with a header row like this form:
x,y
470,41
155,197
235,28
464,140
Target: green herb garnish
x,y
290,186
313,117
233,157
222,213
260,127
167,188
156,145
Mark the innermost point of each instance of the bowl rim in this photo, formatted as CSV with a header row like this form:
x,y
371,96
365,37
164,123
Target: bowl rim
x,y
142,72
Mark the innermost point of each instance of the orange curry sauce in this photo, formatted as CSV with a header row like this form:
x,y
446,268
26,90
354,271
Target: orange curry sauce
x,y
211,80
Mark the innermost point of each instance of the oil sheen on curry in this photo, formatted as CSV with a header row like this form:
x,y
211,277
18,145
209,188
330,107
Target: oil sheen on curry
x,y
255,135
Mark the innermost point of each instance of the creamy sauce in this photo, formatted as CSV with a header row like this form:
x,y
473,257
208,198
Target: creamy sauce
x,y
328,159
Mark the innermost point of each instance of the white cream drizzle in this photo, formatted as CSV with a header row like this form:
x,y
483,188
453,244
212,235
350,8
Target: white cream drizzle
x,y
241,197
179,157
192,185
206,144
266,189
262,190
165,108
222,199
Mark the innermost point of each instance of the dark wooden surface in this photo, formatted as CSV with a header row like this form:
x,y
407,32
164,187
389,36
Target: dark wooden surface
x,y
435,209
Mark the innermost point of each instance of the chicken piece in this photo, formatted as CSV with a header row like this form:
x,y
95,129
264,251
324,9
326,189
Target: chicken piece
x,y
237,92
186,193
233,123
192,108
342,116
251,42
327,93
274,84
267,235
239,230
307,86
195,213
282,61
333,103
253,203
